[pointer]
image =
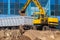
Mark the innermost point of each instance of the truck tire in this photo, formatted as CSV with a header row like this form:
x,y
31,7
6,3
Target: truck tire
x,y
34,28
45,28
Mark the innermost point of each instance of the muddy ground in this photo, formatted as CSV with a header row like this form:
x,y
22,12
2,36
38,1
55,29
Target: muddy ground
x,y
29,35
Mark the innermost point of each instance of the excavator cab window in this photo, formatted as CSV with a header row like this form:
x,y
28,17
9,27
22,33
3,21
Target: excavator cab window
x,y
36,16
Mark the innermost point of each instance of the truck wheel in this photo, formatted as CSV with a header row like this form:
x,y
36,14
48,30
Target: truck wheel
x,y
34,28
45,28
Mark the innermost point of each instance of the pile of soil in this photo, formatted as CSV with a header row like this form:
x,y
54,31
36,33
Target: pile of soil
x,y
29,35
42,35
9,34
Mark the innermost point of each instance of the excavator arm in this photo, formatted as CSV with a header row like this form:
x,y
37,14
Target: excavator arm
x,y
36,2
25,6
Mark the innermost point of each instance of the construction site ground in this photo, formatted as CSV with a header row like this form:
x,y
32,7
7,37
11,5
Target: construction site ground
x,y
15,34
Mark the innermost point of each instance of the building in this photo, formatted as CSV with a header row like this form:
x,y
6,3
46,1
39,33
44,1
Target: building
x,y
55,7
11,7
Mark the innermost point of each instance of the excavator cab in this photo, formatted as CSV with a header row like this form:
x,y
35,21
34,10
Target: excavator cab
x,y
36,15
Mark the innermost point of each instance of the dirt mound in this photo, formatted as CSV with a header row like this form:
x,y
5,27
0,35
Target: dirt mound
x,y
29,35
9,34
24,38
42,35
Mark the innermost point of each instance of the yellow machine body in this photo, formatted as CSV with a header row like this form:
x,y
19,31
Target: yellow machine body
x,y
50,20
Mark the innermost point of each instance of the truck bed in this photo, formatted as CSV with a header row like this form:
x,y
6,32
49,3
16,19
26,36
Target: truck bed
x,y
15,21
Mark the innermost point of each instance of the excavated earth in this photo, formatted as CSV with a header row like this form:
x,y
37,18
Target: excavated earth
x,y
29,35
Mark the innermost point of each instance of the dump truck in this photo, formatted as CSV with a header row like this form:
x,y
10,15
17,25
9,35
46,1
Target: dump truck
x,y
14,22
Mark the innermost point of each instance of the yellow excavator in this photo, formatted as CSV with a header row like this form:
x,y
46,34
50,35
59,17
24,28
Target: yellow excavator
x,y
41,20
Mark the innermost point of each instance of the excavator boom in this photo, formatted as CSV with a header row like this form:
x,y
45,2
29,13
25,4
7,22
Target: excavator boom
x,y
25,6
36,2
